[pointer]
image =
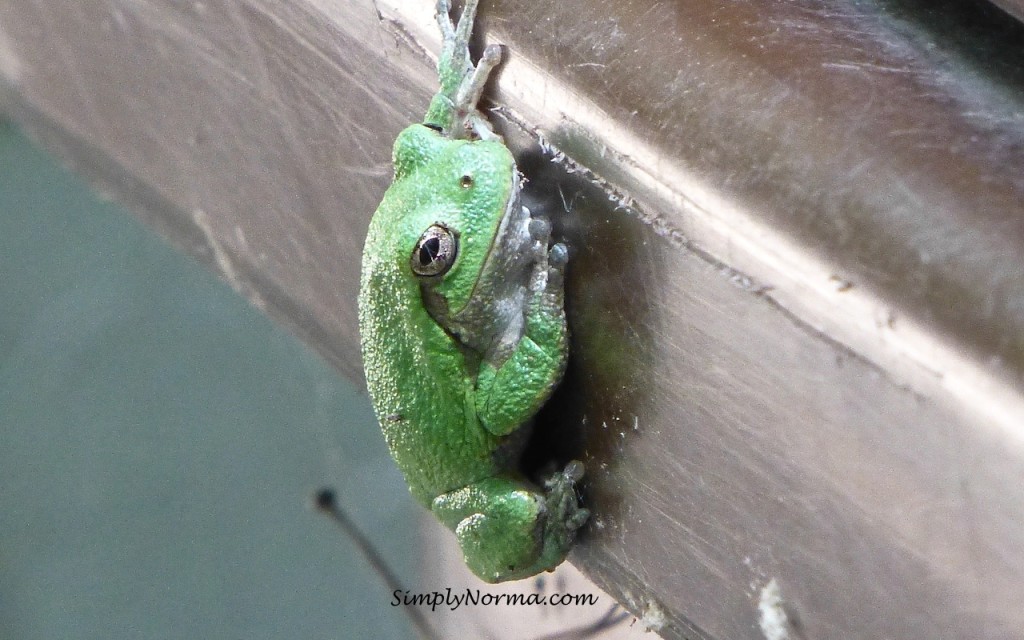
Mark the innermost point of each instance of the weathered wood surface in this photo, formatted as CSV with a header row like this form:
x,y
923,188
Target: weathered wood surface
x,y
796,293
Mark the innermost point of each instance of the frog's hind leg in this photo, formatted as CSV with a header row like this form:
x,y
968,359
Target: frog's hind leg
x,y
498,522
454,108
509,531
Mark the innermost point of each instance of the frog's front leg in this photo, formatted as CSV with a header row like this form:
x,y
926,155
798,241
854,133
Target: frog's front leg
x,y
510,394
509,531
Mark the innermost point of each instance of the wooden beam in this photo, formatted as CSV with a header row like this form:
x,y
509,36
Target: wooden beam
x,y
795,290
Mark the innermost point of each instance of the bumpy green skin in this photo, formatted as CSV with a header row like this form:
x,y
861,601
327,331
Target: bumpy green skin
x,y
457,363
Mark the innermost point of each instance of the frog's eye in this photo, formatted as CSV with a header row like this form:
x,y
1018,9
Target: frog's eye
x,y
435,251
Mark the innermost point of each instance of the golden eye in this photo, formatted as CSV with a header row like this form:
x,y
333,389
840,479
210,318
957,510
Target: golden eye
x,y
466,181
434,253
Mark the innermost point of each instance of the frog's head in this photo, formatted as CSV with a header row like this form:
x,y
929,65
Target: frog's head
x,y
466,239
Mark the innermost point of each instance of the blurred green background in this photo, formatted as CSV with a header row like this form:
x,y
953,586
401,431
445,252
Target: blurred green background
x,y
160,440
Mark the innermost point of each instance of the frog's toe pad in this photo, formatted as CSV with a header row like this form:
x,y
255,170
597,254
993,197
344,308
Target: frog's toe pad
x,y
558,256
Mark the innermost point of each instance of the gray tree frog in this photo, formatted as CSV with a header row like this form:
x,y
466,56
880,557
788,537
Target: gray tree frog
x,y
463,327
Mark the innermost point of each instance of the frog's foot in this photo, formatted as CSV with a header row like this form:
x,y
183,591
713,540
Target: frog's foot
x,y
451,32
454,108
564,514
508,530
